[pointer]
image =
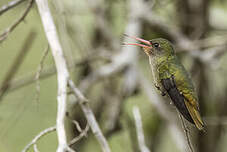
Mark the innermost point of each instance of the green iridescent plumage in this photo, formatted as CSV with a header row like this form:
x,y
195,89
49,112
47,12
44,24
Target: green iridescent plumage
x,y
171,78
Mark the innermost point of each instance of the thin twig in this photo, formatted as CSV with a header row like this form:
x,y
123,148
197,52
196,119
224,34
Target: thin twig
x,y
186,131
5,34
37,137
37,76
83,133
83,102
10,5
35,148
77,125
139,130
17,63
47,72
62,71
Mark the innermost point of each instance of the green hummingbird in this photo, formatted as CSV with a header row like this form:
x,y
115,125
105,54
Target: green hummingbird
x,y
171,77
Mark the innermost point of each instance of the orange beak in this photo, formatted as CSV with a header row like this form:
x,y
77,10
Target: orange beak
x,y
146,45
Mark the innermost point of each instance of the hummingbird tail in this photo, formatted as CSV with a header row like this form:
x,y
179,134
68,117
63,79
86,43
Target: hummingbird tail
x,y
195,116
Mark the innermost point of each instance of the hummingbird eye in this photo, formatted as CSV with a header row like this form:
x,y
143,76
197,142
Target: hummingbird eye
x,y
156,45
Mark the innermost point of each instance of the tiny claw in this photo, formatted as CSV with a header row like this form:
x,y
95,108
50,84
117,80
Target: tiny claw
x,y
163,94
158,88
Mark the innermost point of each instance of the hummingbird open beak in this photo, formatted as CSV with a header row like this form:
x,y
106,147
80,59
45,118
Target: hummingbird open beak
x,y
146,45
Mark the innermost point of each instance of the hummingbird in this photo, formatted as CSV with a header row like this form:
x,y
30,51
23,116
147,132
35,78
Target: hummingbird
x,y
171,78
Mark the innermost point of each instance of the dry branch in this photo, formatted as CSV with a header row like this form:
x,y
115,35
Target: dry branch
x,y
62,71
45,73
83,133
41,134
139,130
5,34
37,75
63,77
35,148
186,131
16,64
90,117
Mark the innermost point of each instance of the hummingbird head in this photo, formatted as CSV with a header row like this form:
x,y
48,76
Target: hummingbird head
x,y
154,48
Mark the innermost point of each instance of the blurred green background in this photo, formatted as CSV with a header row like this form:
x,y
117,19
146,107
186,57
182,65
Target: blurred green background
x,y
22,117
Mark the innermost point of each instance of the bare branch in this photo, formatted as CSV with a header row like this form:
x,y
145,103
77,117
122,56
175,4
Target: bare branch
x,y
139,130
37,76
90,117
63,77
77,125
5,34
10,5
83,133
35,148
45,73
62,71
16,64
41,134
186,131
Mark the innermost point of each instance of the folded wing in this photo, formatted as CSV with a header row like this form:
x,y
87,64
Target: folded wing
x,y
176,97
184,102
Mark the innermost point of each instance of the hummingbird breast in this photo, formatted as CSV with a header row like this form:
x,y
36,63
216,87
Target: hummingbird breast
x,y
154,68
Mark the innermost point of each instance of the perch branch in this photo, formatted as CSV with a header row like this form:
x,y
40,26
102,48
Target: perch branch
x,y
186,131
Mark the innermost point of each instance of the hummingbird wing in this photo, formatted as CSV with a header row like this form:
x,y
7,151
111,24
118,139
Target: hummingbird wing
x,y
177,98
184,101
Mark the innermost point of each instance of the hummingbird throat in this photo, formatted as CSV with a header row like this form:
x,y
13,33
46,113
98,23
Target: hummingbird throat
x,y
147,51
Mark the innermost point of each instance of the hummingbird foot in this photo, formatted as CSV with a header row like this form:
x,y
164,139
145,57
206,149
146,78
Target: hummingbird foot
x,y
159,89
163,93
